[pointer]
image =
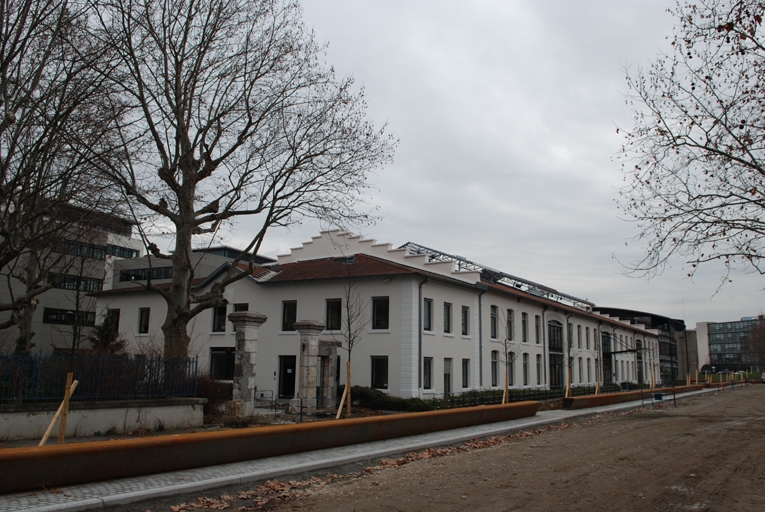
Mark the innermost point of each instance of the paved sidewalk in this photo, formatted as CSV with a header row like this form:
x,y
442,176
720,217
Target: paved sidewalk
x,y
129,490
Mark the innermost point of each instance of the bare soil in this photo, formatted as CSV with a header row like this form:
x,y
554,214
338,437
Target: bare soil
x,y
706,454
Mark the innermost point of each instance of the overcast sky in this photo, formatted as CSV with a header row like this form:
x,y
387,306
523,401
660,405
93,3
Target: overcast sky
x,y
506,113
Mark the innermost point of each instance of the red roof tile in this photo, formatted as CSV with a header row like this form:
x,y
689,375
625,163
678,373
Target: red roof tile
x,y
335,268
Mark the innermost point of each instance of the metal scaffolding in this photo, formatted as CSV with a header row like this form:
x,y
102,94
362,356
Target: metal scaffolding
x,y
496,276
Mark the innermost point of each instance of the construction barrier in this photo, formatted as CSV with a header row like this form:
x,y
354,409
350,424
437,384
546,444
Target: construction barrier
x,y
68,464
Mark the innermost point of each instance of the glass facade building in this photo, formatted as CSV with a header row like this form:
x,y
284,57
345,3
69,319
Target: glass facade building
x,y
728,348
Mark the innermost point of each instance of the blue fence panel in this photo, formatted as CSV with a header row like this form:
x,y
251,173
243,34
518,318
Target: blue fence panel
x,y
42,377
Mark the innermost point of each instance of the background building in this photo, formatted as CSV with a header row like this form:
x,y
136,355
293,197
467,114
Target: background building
x,y
726,343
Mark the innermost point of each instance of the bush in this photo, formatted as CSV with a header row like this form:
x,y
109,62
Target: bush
x,y
216,393
376,399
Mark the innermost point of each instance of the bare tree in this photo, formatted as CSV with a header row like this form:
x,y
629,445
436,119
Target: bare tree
x,y
354,320
511,347
51,98
232,114
694,159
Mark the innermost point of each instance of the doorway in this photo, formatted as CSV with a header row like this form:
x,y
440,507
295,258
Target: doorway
x,y
287,365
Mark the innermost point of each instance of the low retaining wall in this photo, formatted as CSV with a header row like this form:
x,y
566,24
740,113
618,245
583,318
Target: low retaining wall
x,y
68,464
29,421
583,402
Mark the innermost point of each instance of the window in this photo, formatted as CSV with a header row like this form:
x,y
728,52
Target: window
x,y
537,329
539,370
334,314
121,252
113,317
427,373
447,376
578,336
219,318
143,274
587,336
68,316
380,372
493,323
289,315
525,369
525,327
143,320
589,370
427,314
510,325
570,332
380,308
70,282
581,371
465,373
511,368
465,320
494,368
222,363
447,318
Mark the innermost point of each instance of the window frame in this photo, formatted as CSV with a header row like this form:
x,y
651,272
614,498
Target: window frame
x,y
378,363
380,305
227,354
427,315
465,373
493,321
525,327
447,318
334,319
465,320
218,323
289,309
144,323
427,373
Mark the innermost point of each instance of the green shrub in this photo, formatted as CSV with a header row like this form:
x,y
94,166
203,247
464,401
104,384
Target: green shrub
x,y
376,399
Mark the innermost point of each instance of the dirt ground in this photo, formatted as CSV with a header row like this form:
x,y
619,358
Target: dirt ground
x,y
706,454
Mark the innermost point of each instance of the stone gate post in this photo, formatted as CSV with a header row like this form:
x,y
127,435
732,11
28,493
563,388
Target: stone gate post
x,y
309,364
246,325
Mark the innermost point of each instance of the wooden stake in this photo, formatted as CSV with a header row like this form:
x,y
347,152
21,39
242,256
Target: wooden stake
x,y
56,417
65,413
342,402
348,387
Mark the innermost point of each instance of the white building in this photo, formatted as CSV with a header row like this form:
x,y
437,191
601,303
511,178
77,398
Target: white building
x,y
432,323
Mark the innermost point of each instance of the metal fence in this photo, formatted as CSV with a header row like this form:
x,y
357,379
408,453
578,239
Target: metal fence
x,y
42,377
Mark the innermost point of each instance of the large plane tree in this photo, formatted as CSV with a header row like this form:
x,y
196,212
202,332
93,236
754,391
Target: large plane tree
x,y
226,110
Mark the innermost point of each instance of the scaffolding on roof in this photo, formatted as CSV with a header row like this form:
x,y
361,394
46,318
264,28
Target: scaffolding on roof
x,y
497,276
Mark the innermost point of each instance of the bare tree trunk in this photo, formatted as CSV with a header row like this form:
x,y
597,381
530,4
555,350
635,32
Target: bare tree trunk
x,y
568,383
178,299
26,315
505,394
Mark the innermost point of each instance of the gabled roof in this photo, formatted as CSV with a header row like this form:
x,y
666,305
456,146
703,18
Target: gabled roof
x,y
358,265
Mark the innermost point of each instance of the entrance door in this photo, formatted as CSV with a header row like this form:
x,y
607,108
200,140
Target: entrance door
x,y
287,365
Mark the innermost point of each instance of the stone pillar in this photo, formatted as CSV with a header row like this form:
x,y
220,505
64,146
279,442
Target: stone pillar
x,y
328,352
246,325
309,365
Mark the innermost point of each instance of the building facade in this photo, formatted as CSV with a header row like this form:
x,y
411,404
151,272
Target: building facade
x,y
425,323
84,259
725,345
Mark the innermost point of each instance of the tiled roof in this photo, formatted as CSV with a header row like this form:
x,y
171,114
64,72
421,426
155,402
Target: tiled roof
x,y
335,268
